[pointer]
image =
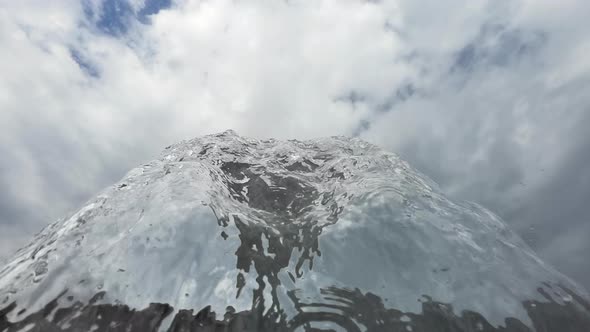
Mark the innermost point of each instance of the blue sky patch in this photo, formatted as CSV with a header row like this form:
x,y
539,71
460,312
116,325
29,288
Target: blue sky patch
x,y
498,46
85,65
152,7
114,17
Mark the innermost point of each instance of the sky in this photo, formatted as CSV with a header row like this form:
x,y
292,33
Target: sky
x,y
488,98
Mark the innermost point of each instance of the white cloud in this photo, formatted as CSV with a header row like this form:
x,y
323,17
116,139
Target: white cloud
x,y
284,69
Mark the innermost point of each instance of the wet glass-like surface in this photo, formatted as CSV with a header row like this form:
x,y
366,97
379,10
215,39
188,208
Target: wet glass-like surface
x,y
225,233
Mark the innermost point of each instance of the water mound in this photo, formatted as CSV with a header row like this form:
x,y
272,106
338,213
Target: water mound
x,y
226,233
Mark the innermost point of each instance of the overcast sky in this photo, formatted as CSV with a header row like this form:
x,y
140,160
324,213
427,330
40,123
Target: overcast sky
x,y
489,98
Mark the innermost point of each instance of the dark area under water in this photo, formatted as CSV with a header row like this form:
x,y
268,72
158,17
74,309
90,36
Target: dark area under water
x,y
348,310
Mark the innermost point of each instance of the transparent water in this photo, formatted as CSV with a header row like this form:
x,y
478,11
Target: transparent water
x,y
331,234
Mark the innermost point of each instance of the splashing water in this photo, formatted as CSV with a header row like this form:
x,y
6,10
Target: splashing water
x,y
318,235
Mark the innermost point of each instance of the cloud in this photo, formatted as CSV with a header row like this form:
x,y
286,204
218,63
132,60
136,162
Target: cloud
x,y
487,97
503,122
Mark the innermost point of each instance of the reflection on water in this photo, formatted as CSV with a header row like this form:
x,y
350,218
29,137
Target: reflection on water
x,y
340,310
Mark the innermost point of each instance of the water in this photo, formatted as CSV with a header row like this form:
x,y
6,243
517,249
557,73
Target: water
x,y
320,235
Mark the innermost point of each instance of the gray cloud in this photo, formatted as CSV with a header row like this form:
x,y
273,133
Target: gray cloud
x,y
506,126
489,98
556,213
